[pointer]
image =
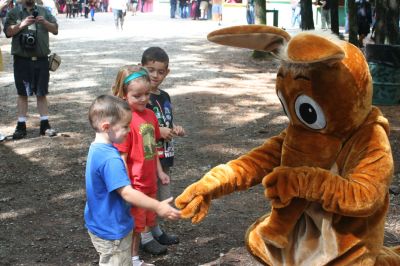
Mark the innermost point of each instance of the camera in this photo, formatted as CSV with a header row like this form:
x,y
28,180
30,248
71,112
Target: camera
x,y
28,40
35,13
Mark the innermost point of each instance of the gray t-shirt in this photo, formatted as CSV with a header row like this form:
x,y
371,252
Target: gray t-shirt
x,y
15,16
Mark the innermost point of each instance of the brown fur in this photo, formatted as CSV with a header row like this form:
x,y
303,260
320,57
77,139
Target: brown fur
x,y
328,182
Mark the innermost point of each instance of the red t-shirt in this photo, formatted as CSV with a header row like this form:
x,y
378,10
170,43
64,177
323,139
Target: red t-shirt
x,y
140,144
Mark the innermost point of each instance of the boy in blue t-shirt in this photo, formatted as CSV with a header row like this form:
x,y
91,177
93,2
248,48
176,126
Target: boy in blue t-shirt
x,y
108,189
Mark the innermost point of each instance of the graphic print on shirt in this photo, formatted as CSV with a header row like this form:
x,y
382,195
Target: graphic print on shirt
x,y
149,143
165,149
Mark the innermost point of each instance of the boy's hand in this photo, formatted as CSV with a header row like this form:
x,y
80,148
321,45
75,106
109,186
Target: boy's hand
x,y
166,133
167,211
179,131
164,178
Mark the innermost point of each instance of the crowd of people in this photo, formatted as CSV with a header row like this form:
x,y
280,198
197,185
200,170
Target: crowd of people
x,y
197,9
364,14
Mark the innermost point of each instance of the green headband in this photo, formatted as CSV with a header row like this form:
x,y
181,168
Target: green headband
x,y
135,75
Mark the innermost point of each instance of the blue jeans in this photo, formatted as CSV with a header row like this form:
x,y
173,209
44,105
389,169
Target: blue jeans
x,y
184,11
173,8
118,17
250,14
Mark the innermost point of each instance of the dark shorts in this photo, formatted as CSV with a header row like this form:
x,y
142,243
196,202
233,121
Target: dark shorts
x,y
31,77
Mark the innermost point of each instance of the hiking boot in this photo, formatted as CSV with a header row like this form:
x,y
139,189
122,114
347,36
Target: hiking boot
x,y
154,248
166,239
45,129
20,131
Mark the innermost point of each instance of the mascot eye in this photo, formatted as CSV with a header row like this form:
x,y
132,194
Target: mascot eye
x,y
309,112
284,105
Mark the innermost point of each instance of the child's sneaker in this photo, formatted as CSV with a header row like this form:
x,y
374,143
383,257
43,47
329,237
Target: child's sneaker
x,y
20,131
154,248
141,263
166,239
45,129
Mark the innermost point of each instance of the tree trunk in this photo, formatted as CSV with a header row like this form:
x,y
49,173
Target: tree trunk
x,y
353,28
307,20
393,21
335,16
380,28
260,11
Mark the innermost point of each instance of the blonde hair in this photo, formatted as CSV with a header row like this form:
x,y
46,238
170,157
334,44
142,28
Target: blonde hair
x,y
119,88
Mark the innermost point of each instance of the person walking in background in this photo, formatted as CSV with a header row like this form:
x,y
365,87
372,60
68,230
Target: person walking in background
x,y
203,9
69,8
156,61
133,5
364,20
108,187
173,5
217,11
183,8
119,11
140,154
142,3
325,14
346,13
81,8
105,5
250,17
31,65
296,17
92,8
86,8
195,9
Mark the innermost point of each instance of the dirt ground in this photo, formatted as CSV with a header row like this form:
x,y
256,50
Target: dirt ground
x,y
223,99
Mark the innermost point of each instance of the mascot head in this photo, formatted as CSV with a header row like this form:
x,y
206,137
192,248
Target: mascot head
x,y
323,83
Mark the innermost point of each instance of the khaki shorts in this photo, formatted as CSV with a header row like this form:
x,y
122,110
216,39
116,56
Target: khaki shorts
x,y
203,5
113,252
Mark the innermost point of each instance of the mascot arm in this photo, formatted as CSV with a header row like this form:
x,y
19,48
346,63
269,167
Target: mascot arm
x,y
359,192
240,174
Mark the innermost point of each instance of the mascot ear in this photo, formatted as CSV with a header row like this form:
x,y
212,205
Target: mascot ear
x,y
304,48
255,37
307,47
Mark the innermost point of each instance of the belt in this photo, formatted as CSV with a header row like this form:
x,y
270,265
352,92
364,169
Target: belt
x,y
33,58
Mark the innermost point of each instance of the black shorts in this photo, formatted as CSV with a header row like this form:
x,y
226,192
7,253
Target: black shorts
x,y
31,76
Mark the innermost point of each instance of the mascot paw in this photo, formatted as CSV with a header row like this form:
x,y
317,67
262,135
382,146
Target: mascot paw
x,y
196,209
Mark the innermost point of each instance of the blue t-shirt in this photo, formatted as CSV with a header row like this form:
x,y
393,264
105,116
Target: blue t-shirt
x,y
107,214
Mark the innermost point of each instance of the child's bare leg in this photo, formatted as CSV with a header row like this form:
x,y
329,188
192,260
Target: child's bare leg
x,y
276,227
135,244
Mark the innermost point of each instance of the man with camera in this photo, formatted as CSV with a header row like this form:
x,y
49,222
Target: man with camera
x,y
29,26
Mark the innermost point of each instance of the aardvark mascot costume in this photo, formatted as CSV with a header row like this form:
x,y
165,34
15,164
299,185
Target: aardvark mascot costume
x,y
327,174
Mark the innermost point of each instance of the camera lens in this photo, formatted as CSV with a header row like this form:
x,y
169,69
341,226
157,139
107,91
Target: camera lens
x,y
30,40
35,13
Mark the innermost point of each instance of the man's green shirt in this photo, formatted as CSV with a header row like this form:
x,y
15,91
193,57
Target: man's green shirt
x,y
15,16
